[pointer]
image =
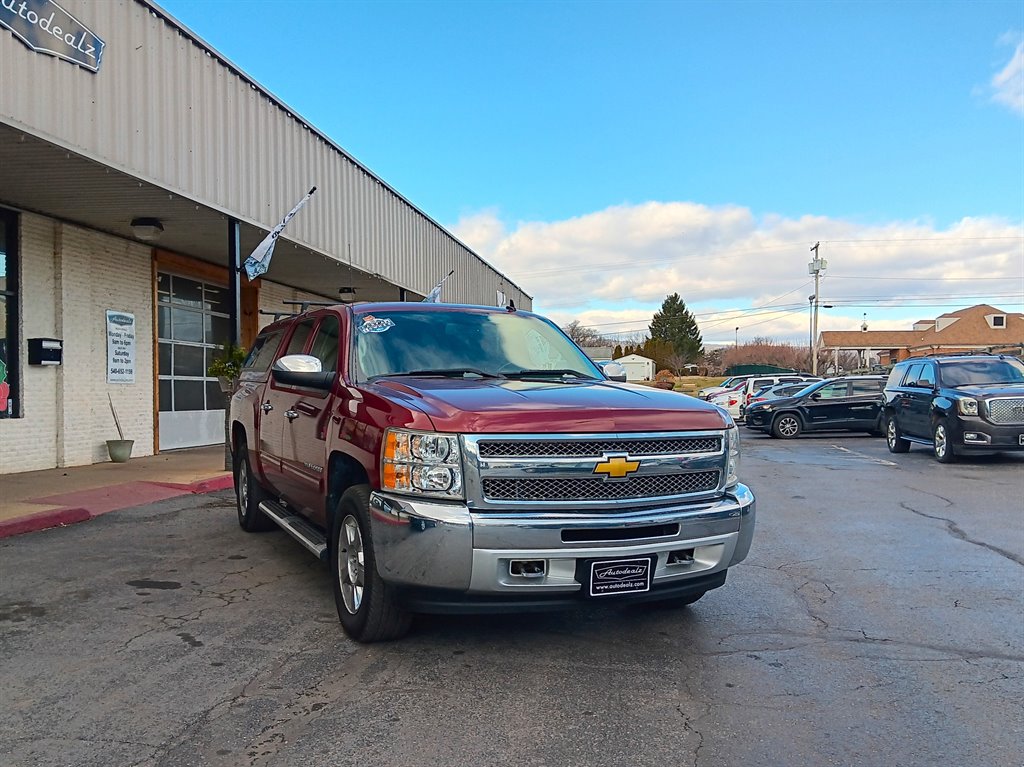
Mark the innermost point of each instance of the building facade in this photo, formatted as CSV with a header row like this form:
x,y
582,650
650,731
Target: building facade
x,y
137,167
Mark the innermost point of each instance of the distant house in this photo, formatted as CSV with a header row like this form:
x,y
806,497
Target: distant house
x,y
637,368
977,328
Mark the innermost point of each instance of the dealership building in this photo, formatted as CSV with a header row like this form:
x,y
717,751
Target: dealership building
x,y
138,169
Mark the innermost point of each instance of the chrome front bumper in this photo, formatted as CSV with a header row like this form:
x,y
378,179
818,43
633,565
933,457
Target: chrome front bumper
x,y
449,546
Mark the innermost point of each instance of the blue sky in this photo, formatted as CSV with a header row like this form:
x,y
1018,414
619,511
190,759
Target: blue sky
x,y
605,154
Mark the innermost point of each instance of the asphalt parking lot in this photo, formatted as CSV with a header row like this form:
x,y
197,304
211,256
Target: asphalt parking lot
x,y
878,621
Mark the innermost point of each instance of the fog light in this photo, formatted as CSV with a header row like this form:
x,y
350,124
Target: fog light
x,y
974,436
527,568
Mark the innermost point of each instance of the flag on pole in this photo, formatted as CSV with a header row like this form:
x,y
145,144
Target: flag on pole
x,y
259,260
435,295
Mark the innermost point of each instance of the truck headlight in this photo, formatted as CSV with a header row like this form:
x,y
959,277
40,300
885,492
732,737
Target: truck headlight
x,y
732,444
967,405
422,463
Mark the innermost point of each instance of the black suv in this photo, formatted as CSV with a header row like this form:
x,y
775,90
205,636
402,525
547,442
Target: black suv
x,y
956,404
851,403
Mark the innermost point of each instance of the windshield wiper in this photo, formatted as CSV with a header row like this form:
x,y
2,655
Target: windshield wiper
x,y
549,374
442,373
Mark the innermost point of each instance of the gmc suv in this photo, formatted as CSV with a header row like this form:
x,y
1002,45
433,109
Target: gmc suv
x,y
955,404
446,458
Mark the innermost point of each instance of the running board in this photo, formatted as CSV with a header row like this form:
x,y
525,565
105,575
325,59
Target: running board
x,y
298,528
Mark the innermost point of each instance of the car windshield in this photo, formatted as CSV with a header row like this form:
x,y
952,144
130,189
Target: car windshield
x,y
981,371
465,344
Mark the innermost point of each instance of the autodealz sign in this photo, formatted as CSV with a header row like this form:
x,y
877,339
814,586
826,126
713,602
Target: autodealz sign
x,y
47,28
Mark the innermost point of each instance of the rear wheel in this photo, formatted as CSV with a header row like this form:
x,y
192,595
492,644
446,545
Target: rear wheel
x,y
894,437
941,445
367,607
787,426
249,494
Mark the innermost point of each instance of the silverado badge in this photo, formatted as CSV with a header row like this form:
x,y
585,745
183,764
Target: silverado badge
x,y
616,467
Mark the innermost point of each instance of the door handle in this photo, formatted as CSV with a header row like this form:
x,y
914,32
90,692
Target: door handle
x,y
291,415
266,407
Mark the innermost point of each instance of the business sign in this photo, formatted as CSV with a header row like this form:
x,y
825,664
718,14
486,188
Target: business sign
x,y
120,347
47,28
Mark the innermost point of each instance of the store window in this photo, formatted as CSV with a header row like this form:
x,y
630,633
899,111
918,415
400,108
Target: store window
x,y
10,406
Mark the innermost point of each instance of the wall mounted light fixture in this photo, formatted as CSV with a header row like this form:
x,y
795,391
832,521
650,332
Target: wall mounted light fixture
x,y
147,229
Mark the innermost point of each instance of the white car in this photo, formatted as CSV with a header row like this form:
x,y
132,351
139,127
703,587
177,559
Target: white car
x,y
710,391
730,400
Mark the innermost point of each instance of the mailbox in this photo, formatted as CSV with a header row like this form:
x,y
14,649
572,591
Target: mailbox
x,y
45,351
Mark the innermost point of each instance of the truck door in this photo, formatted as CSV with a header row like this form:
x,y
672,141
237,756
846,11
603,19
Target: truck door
x,y
308,419
277,399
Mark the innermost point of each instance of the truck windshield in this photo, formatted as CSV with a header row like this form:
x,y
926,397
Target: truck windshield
x,y
501,344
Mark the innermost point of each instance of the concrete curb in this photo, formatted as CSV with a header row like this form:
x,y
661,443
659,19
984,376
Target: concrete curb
x,y
71,515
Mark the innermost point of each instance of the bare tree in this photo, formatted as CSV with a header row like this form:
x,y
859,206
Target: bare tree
x,y
584,336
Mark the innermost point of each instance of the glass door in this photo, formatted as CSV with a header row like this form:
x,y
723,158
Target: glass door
x,y
192,327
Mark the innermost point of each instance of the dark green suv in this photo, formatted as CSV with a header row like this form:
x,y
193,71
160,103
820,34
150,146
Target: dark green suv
x,y
955,404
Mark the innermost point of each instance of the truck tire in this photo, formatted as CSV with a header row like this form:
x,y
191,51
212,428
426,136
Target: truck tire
x,y
367,607
249,494
941,445
787,426
894,437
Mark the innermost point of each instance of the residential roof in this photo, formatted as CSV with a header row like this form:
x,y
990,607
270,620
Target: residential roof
x,y
969,329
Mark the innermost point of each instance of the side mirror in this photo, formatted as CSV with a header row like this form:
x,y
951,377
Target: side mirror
x,y
302,370
613,371
816,396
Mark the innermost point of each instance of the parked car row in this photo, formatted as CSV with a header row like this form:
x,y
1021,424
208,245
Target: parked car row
x,y
953,404
744,389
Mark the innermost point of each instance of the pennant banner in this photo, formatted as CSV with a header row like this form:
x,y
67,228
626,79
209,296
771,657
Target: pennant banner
x,y
259,260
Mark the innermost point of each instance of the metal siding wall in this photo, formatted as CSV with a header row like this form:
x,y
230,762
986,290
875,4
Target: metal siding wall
x,y
164,109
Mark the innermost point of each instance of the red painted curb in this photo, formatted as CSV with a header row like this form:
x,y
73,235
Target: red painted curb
x,y
43,521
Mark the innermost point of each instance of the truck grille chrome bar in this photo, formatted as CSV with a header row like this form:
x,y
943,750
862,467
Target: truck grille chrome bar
x,y
535,448
597,489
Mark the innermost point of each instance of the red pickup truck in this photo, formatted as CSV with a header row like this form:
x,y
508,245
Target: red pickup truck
x,y
446,458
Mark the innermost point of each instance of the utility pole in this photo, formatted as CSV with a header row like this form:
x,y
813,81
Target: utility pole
x,y
736,343
816,267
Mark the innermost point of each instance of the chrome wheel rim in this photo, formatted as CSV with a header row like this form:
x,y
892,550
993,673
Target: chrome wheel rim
x,y
890,433
941,445
787,426
350,564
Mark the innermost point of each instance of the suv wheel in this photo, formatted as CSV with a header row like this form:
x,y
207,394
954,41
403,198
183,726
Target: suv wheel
x,y
941,444
367,607
786,426
894,437
249,494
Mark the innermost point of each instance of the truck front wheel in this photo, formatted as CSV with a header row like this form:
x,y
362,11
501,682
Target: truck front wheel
x,y
249,494
367,607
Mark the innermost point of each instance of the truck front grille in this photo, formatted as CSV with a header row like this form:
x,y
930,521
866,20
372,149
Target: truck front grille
x,y
596,448
1006,410
598,489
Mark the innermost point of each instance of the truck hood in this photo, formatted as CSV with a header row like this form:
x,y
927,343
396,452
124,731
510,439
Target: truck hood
x,y
524,407
992,390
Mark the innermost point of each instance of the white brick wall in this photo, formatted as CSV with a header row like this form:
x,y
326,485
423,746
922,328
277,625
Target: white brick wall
x,y
70,277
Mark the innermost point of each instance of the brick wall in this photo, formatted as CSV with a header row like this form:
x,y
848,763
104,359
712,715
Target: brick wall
x,y
70,277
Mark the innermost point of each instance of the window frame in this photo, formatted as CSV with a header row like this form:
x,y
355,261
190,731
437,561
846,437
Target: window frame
x,y
12,292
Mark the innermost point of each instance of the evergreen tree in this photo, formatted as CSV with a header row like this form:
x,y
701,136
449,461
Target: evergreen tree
x,y
618,352
677,326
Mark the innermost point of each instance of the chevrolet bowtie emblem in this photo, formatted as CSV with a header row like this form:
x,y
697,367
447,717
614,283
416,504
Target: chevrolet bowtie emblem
x,y
616,467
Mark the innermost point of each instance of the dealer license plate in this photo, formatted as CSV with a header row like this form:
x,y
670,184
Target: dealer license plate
x,y
621,576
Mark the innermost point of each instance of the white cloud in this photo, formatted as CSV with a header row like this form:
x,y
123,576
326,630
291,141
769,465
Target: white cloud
x,y
612,269
1008,85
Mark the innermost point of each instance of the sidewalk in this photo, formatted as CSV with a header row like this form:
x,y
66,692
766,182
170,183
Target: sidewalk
x,y
36,500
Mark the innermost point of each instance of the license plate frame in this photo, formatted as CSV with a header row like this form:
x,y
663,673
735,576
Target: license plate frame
x,y
614,577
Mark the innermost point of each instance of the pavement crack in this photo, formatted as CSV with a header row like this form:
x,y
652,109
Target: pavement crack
x,y
957,532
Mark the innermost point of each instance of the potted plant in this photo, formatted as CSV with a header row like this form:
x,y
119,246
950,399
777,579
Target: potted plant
x,y
227,366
